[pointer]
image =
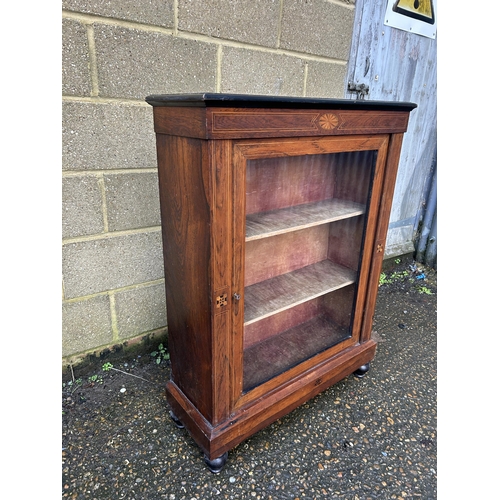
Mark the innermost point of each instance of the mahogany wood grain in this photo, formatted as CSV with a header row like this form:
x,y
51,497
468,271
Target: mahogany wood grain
x,y
274,221
182,122
286,147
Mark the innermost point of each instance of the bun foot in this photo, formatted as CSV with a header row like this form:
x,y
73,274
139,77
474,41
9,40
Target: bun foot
x,y
177,422
217,464
362,370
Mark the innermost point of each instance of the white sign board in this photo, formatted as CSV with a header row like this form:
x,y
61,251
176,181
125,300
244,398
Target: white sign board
x,y
415,16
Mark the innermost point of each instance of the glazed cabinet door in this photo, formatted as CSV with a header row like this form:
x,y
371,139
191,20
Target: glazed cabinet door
x,y
304,213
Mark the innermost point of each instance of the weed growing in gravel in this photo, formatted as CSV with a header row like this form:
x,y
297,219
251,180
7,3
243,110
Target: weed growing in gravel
x,y
383,279
160,354
395,276
95,379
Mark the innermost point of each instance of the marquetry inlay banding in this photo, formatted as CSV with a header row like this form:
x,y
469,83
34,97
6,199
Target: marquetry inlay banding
x,y
263,121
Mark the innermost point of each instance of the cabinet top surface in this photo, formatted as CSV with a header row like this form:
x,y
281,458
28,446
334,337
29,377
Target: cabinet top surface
x,y
269,101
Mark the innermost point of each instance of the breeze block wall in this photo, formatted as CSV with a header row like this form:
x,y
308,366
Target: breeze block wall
x,y
114,54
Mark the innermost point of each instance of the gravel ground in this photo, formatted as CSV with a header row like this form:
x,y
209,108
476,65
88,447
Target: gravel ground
x,y
369,438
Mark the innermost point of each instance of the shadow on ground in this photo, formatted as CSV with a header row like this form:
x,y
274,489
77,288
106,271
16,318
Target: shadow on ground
x,y
369,438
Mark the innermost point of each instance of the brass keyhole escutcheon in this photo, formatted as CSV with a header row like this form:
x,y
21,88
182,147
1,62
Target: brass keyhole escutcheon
x,y
380,248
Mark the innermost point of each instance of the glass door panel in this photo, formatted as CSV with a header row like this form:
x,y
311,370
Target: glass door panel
x,y
305,222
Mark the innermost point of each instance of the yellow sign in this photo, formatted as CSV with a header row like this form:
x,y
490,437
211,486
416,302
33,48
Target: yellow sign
x,y
414,16
422,10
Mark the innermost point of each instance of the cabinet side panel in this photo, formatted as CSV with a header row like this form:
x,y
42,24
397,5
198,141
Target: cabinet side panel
x,y
185,213
182,121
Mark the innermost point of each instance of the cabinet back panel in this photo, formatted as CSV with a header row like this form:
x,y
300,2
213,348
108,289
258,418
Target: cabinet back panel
x,y
273,356
274,183
284,253
337,306
345,241
353,175
277,323
353,180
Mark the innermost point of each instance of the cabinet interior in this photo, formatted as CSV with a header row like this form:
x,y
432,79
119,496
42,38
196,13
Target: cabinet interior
x,y
305,224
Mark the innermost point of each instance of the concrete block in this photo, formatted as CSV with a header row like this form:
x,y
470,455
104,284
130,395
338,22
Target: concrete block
x,y
241,20
76,78
140,310
133,63
156,12
86,324
105,264
81,206
255,72
132,200
107,136
320,28
325,80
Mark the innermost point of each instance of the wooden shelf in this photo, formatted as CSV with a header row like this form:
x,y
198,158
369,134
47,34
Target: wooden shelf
x,y
265,224
277,354
288,290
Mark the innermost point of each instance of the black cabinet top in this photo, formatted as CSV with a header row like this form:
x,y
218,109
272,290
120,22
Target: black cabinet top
x,y
270,101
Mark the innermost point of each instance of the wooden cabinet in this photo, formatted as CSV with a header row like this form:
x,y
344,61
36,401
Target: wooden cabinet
x,y
274,218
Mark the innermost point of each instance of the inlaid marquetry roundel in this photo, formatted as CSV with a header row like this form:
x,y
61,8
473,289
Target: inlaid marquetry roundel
x,y
328,121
